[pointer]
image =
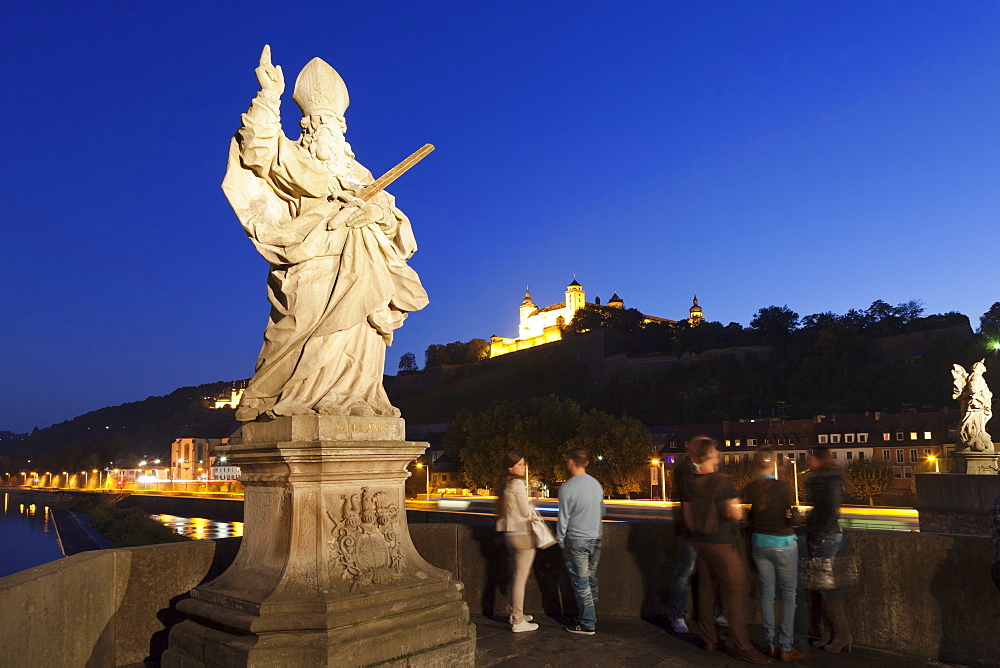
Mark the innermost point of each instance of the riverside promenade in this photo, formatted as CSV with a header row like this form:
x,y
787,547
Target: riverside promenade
x,y
623,642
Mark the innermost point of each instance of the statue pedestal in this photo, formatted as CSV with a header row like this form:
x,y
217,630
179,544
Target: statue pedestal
x,y
975,463
326,574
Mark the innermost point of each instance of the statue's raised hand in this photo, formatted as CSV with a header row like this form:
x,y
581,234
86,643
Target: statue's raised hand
x,y
270,77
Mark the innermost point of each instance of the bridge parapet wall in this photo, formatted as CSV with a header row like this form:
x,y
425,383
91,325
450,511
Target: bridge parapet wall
x,y
922,595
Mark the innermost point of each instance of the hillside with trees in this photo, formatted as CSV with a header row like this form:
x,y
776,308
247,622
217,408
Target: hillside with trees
x,y
138,429
882,358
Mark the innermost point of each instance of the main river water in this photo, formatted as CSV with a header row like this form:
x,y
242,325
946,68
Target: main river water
x,y
29,536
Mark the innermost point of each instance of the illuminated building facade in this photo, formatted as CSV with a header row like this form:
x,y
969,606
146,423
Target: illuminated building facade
x,y
545,325
191,458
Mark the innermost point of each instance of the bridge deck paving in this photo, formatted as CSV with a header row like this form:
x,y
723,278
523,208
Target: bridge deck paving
x,y
623,642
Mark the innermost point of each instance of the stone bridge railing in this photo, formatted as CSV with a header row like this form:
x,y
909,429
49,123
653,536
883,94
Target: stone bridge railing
x,y
922,595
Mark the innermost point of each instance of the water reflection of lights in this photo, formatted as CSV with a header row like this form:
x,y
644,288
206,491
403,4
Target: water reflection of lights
x,y
200,528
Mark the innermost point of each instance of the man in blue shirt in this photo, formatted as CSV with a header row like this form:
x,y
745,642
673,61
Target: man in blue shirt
x,y
578,532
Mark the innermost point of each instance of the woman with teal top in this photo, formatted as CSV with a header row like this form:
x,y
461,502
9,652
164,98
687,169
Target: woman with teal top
x,y
775,553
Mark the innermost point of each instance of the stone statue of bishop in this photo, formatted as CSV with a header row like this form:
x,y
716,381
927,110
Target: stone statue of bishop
x,y
338,284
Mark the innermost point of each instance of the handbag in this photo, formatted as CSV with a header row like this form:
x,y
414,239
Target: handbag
x,y
541,532
819,574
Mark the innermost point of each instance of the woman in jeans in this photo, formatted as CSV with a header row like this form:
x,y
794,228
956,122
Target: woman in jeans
x,y
825,491
711,507
775,553
514,515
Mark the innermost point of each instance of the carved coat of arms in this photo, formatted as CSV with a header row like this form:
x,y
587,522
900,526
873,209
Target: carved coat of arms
x,y
365,543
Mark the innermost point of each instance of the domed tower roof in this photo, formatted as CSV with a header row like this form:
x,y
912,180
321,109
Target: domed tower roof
x,y
615,298
694,304
574,284
527,299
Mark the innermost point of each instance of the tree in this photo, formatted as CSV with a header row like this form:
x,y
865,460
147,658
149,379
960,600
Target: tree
x,y
538,428
869,477
742,471
775,322
989,322
407,362
619,451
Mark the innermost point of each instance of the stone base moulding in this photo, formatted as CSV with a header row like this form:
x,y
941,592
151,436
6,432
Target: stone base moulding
x,y
327,573
976,463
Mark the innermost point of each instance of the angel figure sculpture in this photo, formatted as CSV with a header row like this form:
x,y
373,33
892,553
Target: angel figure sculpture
x,y
976,402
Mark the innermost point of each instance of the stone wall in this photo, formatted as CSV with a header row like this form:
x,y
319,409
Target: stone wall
x,y
103,608
955,503
922,595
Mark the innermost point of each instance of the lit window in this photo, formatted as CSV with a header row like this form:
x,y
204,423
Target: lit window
x,y
751,441
885,436
886,455
728,443
913,435
913,455
927,436
848,438
835,438
862,438
822,438
899,456
727,459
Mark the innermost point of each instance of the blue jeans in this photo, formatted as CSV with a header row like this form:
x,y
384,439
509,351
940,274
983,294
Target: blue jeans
x,y
683,570
581,556
778,566
826,547
687,557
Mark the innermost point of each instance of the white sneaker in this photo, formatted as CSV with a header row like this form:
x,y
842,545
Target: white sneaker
x,y
526,618
524,626
722,621
680,626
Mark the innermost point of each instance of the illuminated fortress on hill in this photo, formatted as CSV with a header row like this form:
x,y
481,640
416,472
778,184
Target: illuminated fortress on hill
x,y
545,325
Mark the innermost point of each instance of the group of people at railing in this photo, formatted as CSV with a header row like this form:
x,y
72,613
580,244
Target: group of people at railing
x,y
788,554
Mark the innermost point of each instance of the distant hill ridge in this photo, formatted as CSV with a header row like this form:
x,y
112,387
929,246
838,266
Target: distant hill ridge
x,y
146,428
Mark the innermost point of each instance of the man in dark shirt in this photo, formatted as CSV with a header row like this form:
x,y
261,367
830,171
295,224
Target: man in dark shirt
x,y
684,470
995,529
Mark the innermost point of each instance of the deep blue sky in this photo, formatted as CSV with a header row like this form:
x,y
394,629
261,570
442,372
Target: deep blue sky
x,y
819,155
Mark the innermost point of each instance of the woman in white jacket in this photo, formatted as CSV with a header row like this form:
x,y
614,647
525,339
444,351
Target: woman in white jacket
x,y
514,514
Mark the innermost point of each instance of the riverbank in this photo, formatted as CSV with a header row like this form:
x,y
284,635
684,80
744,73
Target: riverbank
x,y
75,534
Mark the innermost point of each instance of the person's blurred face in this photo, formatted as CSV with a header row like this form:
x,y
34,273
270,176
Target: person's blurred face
x,y
518,469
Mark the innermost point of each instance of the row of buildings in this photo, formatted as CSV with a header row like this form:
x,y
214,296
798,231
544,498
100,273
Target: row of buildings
x,y
905,441
902,440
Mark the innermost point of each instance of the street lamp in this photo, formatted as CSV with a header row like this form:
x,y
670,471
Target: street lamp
x,y
427,473
933,458
663,478
795,477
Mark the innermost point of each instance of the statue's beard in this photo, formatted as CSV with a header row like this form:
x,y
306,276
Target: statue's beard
x,y
327,147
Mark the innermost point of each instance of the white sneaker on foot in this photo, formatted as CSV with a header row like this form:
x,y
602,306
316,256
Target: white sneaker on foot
x,y
523,626
526,618
679,626
722,621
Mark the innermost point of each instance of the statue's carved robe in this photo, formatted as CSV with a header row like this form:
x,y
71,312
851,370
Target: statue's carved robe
x,y
336,292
